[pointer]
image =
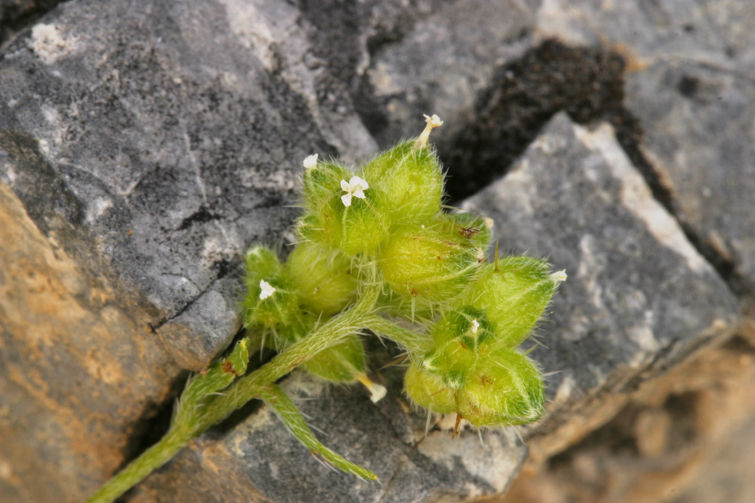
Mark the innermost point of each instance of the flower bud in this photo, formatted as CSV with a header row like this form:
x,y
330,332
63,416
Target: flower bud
x,y
514,292
428,264
412,180
428,390
505,389
323,277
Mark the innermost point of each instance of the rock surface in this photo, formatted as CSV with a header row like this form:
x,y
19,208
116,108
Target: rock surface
x,y
692,85
639,296
144,146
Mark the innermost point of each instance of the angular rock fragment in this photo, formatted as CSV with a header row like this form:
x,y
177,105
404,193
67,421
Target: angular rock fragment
x,y
690,82
638,295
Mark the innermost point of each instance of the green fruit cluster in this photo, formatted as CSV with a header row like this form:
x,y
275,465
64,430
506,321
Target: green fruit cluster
x,y
387,217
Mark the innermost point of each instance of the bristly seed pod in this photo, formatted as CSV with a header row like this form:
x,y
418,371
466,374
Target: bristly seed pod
x,y
325,278
513,292
427,265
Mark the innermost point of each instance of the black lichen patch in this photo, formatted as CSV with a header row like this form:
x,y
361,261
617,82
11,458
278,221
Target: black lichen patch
x,y
587,83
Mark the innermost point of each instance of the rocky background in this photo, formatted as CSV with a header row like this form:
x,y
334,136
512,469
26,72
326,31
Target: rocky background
x,y
144,145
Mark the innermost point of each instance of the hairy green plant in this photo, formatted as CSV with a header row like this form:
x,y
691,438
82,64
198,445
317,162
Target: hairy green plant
x,y
374,246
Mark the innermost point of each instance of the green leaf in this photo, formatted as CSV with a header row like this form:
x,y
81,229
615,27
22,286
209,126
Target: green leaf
x,y
284,407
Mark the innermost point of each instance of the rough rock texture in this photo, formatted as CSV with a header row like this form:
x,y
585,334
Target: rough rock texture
x,y
638,297
145,145
692,85
150,143
685,437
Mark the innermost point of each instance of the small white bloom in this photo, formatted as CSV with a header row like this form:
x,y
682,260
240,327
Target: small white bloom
x,y
489,223
432,123
377,392
353,188
559,276
475,326
267,289
310,161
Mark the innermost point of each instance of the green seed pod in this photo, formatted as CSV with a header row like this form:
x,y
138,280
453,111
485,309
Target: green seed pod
x,y
321,180
342,363
427,265
271,301
461,337
477,229
323,277
412,180
351,220
506,389
514,292
428,390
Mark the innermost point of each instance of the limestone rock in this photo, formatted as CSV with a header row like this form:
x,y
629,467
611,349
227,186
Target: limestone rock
x,y
691,85
638,296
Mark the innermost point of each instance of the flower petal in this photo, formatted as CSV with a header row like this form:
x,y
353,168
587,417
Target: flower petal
x,y
346,199
310,161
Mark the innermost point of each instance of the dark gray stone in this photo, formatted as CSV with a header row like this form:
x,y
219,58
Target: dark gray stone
x,y
639,296
692,85
150,143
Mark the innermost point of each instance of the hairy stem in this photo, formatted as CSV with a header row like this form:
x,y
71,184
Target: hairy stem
x,y
153,458
236,395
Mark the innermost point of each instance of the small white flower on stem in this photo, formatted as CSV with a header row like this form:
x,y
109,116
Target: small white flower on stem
x,y
377,391
559,276
475,326
353,188
310,161
432,123
267,289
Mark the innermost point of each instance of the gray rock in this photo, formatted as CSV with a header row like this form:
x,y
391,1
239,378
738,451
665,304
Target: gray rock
x,y
639,296
692,68
150,144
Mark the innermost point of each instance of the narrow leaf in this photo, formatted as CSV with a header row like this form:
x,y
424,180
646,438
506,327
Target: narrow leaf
x,y
286,410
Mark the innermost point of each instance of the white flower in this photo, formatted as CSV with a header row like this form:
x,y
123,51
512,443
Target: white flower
x,y
559,276
377,392
475,326
310,161
353,188
267,289
432,123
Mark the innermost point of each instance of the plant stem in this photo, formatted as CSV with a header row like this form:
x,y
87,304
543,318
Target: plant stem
x,y
137,470
322,337
237,394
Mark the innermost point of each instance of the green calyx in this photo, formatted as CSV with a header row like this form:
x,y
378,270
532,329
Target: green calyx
x,y
325,279
514,293
428,265
412,181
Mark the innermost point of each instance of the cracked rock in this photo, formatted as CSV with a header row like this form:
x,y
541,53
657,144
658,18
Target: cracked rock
x,y
691,82
638,295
